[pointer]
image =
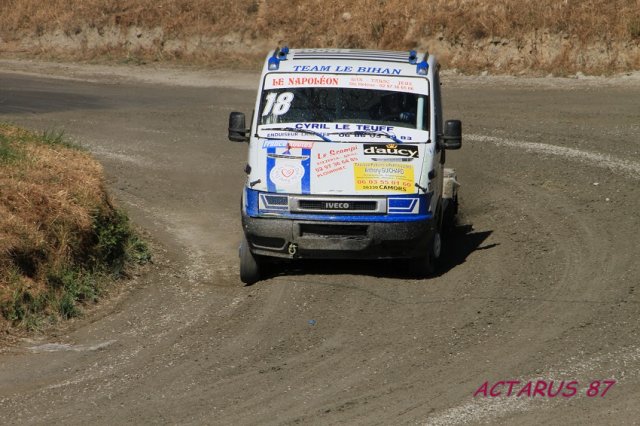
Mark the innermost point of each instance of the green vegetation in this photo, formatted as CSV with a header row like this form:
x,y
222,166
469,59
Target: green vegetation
x,y
56,137
7,152
62,242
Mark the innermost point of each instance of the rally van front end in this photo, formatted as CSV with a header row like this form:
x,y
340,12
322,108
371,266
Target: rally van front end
x,y
346,155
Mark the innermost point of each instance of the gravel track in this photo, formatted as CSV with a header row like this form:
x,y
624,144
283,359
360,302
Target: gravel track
x,y
539,280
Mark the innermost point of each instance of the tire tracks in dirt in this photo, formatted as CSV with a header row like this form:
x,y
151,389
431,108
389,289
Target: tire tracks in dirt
x,y
540,279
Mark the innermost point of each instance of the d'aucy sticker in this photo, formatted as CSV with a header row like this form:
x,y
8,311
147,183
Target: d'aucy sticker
x,y
391,149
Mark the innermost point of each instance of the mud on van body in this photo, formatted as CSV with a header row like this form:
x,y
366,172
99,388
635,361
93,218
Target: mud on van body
x,y
346,159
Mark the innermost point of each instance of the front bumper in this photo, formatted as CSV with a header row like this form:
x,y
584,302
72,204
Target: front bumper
x,y
294,238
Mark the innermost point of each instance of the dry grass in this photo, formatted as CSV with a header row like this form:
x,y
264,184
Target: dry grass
x,y
379,23
212,32
49,191
56,220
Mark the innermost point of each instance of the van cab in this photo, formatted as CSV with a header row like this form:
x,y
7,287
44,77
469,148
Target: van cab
x,y
346,153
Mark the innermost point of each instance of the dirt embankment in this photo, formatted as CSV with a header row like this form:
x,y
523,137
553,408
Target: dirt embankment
x,y
61,238
504,36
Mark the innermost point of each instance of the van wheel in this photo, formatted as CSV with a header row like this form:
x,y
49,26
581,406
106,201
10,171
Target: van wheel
x,y
249,264
436,247
421,267
426,265
450,209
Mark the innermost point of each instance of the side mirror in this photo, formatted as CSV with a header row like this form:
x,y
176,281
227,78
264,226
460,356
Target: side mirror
x,y
237,128
452,134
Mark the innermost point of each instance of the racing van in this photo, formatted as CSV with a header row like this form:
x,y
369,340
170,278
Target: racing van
x,y
346,159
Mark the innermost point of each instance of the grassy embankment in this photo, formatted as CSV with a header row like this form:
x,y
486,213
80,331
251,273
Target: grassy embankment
x,y
507,36
61,239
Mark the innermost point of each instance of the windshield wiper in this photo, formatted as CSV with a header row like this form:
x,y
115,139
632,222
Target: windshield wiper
x,y
368,132
306,131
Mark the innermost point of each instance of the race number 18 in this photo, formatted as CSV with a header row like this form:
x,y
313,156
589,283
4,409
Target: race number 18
x,y
278,104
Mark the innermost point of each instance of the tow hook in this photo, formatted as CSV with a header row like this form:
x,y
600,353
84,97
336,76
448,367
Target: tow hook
x,y
293,249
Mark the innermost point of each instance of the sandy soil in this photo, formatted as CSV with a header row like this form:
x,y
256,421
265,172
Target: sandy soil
x,y
539,282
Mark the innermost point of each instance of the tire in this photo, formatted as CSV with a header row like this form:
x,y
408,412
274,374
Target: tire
x,y
249,264
426,265
450,210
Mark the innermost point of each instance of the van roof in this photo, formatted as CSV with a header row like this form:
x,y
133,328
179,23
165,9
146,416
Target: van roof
x,y
361,61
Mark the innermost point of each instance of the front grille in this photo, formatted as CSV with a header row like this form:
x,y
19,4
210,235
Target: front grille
x,y
320,205
309,204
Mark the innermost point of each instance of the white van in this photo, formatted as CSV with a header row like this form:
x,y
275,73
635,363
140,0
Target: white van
x,y
346,159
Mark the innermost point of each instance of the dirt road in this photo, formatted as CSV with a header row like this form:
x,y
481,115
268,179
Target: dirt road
x,y
540,282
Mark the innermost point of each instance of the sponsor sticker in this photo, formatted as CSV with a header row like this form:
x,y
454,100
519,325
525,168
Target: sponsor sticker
x,y
371,77
286,174
392,149
287,144
334,160
384,176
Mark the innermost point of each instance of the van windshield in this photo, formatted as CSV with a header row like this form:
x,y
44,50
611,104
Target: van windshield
x,y
340,105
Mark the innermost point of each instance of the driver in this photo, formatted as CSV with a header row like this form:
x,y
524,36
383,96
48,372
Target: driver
x,y
395,107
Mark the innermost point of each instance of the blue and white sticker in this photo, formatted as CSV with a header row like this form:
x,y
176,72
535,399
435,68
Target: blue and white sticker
x,y
286,174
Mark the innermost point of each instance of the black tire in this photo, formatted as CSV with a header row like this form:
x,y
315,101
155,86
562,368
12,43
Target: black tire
x,y
426,265
450,210
421,267
249,264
